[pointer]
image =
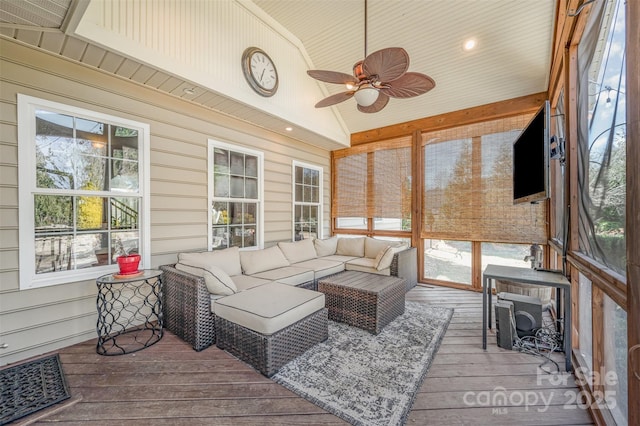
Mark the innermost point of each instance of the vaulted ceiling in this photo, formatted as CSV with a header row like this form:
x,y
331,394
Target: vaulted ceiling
x,y
511,59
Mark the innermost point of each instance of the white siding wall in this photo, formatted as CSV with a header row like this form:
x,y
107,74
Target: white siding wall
x,y
203,42
40,320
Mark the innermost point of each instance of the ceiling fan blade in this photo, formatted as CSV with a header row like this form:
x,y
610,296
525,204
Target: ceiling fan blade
x,y
388,64
335,99
332,77
409,85
380,103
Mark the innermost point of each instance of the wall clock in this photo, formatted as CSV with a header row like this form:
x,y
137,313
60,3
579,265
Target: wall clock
x,y
260,71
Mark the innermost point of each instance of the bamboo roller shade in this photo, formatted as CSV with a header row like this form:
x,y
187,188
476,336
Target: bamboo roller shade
x,y
467,184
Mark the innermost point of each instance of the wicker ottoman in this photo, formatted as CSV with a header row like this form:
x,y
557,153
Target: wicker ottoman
x,y
270,325
364,300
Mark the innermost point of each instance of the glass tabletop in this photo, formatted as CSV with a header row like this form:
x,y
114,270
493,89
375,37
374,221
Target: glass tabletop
x,y
141,275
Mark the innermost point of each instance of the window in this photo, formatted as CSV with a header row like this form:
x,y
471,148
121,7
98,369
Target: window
x,y
307,201
373,187
615,360
602,141
585,342
467,202
83,192
447,260
467,191
235,194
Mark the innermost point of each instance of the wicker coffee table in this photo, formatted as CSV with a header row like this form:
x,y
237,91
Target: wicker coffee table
x,y
364,300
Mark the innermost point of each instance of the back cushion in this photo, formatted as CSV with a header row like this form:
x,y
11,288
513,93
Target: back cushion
x,y
326,247
254,261
228,259
351,247
298,251
372,247
216,280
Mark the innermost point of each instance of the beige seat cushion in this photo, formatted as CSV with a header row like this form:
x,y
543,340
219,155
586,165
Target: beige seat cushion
x,y
269,308
364,264
245,282
298,251
322,267
254,261
339,258
288,275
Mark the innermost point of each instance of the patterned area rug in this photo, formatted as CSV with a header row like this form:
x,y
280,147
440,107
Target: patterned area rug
x,y
366,379
31,386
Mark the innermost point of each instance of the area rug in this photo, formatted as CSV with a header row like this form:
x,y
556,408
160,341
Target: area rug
x,y
367,379
30,387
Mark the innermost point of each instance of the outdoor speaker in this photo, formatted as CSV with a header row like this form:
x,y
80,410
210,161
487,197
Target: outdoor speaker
x,y
504,324
527,311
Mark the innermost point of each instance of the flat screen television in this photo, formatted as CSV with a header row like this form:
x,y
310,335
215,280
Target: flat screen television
x,y
531,159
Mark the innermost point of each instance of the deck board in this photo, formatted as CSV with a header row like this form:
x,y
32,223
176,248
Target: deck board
x,y
171,384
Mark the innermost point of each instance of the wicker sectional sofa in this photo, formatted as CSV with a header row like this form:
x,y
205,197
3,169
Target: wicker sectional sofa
x,y
194,284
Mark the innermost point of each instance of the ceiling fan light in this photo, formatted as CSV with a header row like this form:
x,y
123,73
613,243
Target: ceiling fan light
x,y
366,96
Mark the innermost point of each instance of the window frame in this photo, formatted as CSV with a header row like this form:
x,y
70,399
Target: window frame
x,y
27,106
319,204
212,144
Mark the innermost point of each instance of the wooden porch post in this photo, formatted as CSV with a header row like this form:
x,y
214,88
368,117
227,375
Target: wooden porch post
x,y
633,208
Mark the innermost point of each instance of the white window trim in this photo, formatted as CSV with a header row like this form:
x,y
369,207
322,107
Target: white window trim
x,y
294,164
214,143
27,106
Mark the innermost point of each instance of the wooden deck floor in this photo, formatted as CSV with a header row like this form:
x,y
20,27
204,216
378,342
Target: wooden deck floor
x,y
171,384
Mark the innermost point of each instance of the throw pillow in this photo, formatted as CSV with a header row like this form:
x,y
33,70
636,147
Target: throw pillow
x,y
351,247
298,251
254,261
373,246
216,280
326,247
384,258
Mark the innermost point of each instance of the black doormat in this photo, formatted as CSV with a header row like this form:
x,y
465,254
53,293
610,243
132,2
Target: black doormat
x,y
31,386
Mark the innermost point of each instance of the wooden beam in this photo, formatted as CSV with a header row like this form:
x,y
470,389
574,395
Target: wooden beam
x,y
571,188
417,182
496,110
633,208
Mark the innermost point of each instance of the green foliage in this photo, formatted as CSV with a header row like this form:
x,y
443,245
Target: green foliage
x,y
615,248
53,211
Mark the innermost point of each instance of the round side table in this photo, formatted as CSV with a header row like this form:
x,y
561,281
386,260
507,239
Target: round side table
x,y
129,312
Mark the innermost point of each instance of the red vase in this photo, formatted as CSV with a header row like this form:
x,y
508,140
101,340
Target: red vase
x,y
128,264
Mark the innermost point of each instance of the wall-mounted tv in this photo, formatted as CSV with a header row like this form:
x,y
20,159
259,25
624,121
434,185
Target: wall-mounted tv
x,y
531,159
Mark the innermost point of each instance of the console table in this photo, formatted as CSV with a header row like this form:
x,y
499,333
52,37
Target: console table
x,y
535,277
129,312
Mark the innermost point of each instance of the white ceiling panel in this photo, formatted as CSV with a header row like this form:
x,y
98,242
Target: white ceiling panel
x,y
512,57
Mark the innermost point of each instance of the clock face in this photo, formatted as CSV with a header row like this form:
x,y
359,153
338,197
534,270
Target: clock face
x,y
260,72
263,71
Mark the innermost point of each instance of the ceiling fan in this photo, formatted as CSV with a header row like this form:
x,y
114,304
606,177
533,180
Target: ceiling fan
x,y
380,76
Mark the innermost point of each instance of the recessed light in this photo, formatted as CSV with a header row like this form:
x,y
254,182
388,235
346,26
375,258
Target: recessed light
x,y
470,44
289,129
189,91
